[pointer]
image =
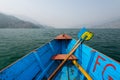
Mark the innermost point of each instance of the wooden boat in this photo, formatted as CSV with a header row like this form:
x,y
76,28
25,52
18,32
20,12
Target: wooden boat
x,y
84,63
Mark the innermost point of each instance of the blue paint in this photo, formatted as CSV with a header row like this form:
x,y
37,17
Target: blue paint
x,y
83,30
51,47
39,61
44,71
90,62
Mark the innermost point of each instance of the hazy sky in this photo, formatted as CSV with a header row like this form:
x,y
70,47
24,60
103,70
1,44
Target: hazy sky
x,y
63,13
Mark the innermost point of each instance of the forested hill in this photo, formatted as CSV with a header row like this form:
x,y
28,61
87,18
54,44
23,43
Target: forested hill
x,y
7,21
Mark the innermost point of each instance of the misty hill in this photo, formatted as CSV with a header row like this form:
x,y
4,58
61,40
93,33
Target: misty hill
x,y
7,21
111,24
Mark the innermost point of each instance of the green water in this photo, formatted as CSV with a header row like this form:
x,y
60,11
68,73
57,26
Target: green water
x,y
15,43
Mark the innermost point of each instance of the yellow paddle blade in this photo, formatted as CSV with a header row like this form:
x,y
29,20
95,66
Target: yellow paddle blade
x,y
87,35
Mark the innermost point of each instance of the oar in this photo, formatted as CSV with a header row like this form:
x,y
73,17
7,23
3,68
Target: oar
x,y
82,70
82,35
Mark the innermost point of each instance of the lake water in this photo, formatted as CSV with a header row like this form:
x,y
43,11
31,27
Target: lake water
x,y
15,43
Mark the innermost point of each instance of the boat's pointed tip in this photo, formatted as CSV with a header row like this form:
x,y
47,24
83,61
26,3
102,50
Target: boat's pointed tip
x,y
63,36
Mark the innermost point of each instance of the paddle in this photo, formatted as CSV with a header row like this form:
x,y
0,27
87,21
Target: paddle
x,y
81,70
82,35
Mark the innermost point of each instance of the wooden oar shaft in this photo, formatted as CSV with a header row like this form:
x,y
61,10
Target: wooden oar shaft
x,y
82,70
63,62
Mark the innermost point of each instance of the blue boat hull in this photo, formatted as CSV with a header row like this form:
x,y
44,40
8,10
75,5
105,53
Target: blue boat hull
x,y
38,65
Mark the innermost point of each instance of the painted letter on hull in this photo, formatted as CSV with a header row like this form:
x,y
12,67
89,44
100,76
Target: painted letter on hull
x,y
106,68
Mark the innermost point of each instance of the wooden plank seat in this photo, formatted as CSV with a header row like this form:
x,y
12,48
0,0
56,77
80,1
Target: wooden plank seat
x,y
63,56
